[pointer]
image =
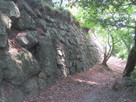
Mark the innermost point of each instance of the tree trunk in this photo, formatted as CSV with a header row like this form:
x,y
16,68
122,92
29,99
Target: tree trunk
x,y
105,62
107,54
131,61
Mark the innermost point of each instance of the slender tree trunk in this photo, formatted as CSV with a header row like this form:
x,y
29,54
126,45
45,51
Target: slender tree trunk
x,y
105,60
61,1
107,55
131,61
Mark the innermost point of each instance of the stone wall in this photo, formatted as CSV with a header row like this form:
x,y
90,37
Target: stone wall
x,y
37,46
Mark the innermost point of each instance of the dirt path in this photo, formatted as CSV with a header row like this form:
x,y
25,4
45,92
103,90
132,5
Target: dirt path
x,y
94,85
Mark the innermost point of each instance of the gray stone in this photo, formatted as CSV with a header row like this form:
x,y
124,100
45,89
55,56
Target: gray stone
x,y
15,96
8,93
79,66
5,23
59,48
72,70
3,40
27,39
22,4
60,60
49,19
30,89
42,84
2,28
56,33
24,22
40,23
5,20
61,38
9,8
38,13
62,32
1,74
59,52
2,64
21,66
47,57
1,69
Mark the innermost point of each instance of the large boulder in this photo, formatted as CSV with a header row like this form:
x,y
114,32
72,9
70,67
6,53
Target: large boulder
x,y
27,39
30,88
46,56
5,20
9,8
8,93
33,86
25,22
19,67
5,23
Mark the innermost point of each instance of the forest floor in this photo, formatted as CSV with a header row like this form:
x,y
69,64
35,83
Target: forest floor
x,y
98,84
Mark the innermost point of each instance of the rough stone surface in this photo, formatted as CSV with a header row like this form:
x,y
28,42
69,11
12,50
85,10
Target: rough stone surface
x,y
1,74
43,45
19,67
24,22
27,39
5,20
42,84
23,5
30,89
5,23
9,8
46,57
3,40
40,23
9,93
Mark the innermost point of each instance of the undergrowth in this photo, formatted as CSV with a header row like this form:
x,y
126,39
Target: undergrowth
x,y
131,81
59,9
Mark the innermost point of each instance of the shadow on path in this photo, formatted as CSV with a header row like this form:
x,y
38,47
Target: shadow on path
x,y
94,85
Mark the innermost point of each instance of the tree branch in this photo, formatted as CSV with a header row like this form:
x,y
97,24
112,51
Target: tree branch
x,y
133,2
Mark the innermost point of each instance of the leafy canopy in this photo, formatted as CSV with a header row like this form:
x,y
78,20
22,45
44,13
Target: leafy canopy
x,y
115,13
118,16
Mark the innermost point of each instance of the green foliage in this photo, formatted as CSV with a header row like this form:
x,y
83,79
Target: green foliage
x,y
102,15
133,75
63,10
108,13
131,81
56,7
118,16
